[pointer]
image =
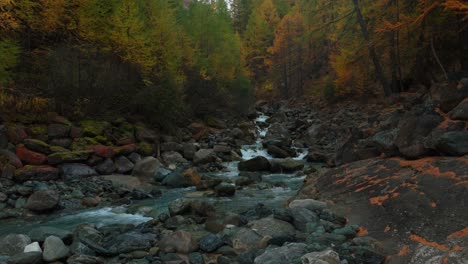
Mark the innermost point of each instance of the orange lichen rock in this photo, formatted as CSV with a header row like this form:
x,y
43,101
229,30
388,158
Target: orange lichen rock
x,y
378,200
404,250
362,232
425,242
458,234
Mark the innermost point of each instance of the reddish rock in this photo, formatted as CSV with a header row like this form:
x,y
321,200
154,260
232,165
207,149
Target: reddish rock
x,y
29,156
91,201
104,151
126,149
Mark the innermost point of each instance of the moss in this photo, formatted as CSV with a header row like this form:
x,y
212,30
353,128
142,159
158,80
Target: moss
x,y
83,143
38,130
102,140
55,149
145,149
94,128
67,156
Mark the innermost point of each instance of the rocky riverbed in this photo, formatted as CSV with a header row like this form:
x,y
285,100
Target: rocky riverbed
x,y
294,184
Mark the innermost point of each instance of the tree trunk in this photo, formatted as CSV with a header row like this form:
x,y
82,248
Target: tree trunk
x,y
378,68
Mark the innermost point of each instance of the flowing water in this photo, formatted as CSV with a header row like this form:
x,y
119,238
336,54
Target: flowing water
x,y
273,191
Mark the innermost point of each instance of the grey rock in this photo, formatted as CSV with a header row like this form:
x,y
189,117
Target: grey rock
x,y
26,258
146,168
106,167
76,171
55,249
42,232
289,253
172,157
203,156
210,243
13,244
123,165
324,257
42,201
310,204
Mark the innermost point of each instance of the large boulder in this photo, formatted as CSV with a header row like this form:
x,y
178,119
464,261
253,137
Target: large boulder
x,y
55,249
460,112
245,239
146,168
43,201
36,173
210,243
180,241
414,127
453,143
203,156
256,164
76,171
384,141
452,97
289,253
225,190
13,244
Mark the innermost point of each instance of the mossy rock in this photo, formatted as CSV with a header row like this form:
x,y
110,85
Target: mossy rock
x,y
102,139
37,145
145,149
38,130
83,143
55,149
68,156
93,128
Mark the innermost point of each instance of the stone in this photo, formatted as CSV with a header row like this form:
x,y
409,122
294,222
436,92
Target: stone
x,y
55,249
225,190
36,173
188,150
160,174
215,223
222,149
384,141
277,230
123,165
255,164
288,165
76,171
172,157
277,152
310,204
43,201
33,247
11,157
106,167
177,180
302,217
170,146
453,143
196,258
244,239
93,128
33,257
460,112
179,207
37,145
41,233
60,142
146,168
181,241
58,131
30,157
324,257
210,243
13,244
84,259
91,201
289,253
130,242
204,156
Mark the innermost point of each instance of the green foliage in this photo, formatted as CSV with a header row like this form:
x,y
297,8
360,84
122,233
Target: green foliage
x,y
9,51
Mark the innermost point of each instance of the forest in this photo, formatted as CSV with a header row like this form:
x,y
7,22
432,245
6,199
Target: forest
x,y
170,56
233,131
